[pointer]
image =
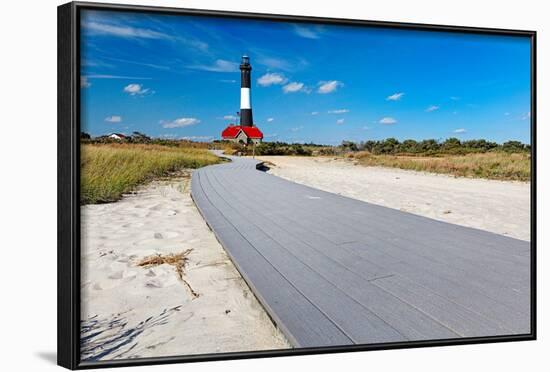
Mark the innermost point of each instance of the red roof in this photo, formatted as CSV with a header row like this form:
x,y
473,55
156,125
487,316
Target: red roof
x,y
253,132
233,131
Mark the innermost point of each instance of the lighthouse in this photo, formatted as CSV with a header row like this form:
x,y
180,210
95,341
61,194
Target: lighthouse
x,y
246,108
245,132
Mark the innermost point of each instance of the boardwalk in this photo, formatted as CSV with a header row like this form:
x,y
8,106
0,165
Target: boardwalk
x,y
336,271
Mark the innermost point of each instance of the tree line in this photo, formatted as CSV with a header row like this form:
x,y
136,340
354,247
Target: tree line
x,y
141,138
432,147
452,146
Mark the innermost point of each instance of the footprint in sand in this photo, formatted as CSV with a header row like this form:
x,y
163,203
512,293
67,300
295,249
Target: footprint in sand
x,y
133,224
123,259
154,283
85,284
166,235
161,276
116,275
129,274
120,274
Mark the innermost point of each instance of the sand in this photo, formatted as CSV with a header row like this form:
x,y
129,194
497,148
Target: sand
x,y
134,312
501,207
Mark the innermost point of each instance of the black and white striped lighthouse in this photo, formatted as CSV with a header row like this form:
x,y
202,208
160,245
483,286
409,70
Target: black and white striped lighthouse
x,y
245,133
246,108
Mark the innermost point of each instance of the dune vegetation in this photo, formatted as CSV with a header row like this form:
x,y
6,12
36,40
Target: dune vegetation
x,y
498,165
111,169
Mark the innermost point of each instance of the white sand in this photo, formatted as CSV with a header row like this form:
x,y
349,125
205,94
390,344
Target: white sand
x,y
497,206
117,295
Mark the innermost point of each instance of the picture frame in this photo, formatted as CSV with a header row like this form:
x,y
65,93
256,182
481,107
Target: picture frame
x,y
68,216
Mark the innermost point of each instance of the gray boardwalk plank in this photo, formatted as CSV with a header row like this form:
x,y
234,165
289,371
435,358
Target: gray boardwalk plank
x,y
486,281
332,270
449,254
458,288
360,324
332,265
457,281
434,254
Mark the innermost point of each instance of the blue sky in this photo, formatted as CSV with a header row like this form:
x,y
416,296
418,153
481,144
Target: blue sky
x,y
177,77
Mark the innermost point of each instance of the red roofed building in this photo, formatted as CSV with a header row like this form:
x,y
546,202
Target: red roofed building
x,y
117,136
244,135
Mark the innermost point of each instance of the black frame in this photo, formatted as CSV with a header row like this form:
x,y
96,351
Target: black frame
x,y
68,186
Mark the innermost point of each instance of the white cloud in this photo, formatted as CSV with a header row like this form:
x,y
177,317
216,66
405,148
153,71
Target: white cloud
x,y
186,138
395,96
84,83
328,86
231,81
339,111
180,123
220,65
230,117
308,32
129,32
294,87
315,113
296,129
135,89
340,121
114,119
271,78
526,116
269,120
197,138
96,63
388,121
366,127
454,98
432,108
132,62
123,31
459,131
275,63
271,135
506,114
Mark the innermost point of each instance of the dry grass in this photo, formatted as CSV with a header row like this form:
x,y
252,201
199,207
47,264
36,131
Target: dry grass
x,y
178,260
110,170
230,151
491,165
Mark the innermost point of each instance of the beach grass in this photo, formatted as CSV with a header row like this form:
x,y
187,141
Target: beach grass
x,y
110,170
496,165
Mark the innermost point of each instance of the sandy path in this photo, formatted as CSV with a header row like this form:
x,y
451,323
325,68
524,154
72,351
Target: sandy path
x,y
496,206
131,312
